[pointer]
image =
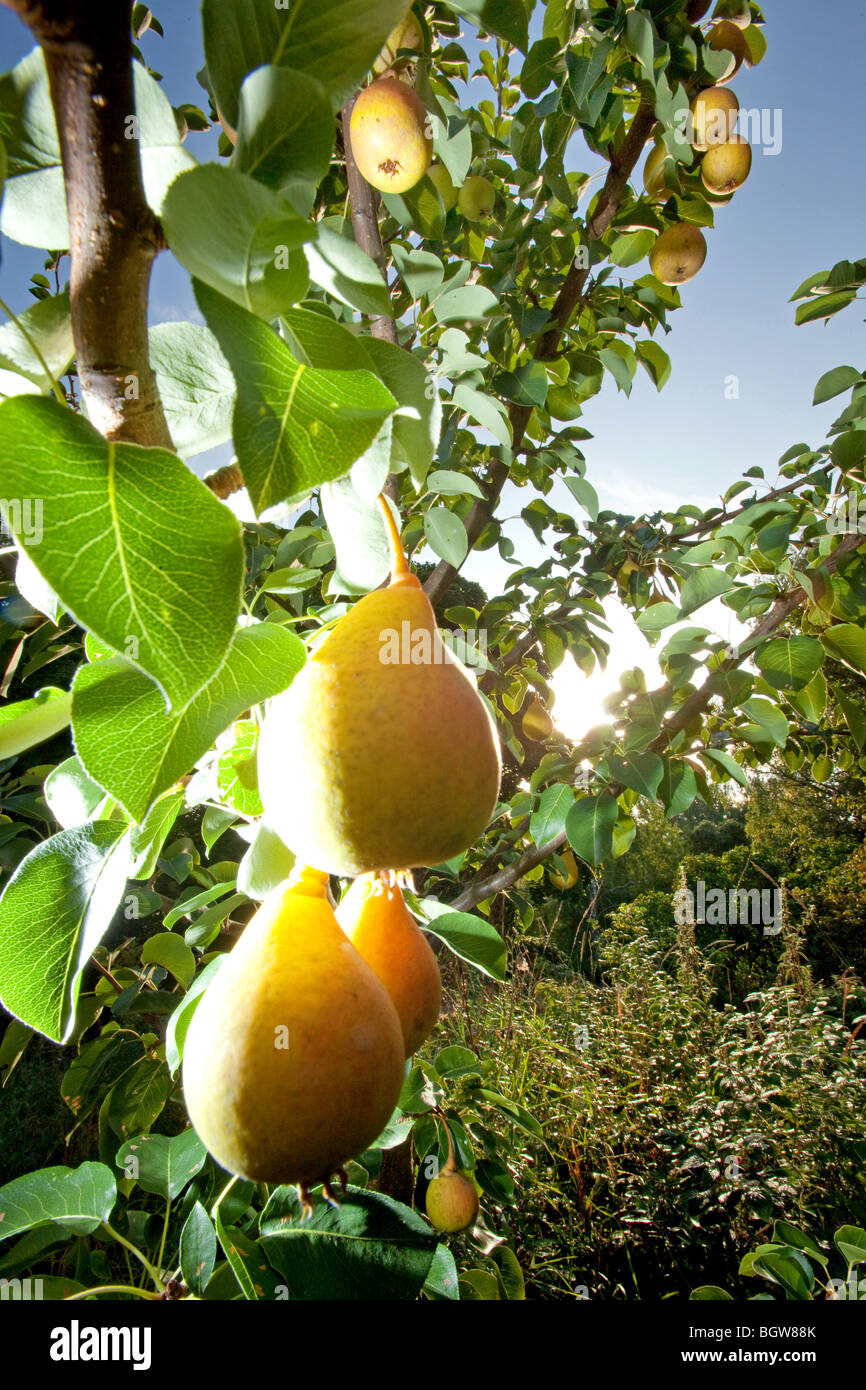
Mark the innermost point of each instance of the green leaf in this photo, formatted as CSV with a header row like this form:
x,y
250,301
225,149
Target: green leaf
x,y
46,325
585,495
446,534
118,522
849,449
195,385
486,410
238,237
179,1021
787,1267
709,1293
538,70
79,1198
368,1247
172,954
450,484
856,719
55,909
656,361
73,797
507,18
641,771
115,708
472,939
789,664
768,717
285,128
823,306
266,864
548,820
639,39
295,427
341,268
334,41
589,826
834,383
198,1249
28,722
658,616
441,1282
138,1098
414,440
163,1166
725,761
701,587
783,1234
848,641
148,840
678,787
467,303
850,1241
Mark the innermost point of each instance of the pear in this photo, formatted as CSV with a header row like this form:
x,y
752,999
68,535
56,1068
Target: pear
x,y
570,877
390,135
725,168
476,198
439,175
293,1061
452,1199
381,754
406,35
727,36
678,254
714,116
654,174
537,723
383,931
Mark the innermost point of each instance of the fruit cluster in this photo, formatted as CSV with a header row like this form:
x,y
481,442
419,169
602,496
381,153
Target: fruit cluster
x,y
726,157
294,1059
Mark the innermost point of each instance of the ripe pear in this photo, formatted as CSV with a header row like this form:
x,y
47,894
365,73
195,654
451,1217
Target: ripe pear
x,y
390,135
570,877
727,36
714,117
381,754
406,35
678,254
725,168
451,1200
439,175
476,198
537,723
654,173
293,1061
381,928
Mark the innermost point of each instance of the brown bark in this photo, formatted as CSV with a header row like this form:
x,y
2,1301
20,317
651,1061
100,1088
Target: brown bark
x,y
364,201
114,235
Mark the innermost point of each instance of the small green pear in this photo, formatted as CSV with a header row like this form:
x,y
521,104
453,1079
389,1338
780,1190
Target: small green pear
x,y
439,175
476,198
451,1200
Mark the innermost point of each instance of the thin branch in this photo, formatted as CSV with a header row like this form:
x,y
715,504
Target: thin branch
x,y
113,234
567,301
365,223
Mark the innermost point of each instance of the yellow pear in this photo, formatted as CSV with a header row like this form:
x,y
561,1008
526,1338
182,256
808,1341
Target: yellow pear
x,y
714,117
390,135
451,1199
381,754
570,877
654,174
678,254
406,35
727,36
440,176
726,167
293,1061
382,930
537,723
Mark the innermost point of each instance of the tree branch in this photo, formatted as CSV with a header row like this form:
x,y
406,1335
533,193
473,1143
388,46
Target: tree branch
x,y
113,234
363,201
569,297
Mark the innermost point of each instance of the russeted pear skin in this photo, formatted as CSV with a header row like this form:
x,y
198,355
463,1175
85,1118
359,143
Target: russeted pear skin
x,y
451,1201
380,926
381,754
390,136
725,168
293,1061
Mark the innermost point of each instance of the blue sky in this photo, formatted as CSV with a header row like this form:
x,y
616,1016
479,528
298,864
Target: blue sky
x,y
801,210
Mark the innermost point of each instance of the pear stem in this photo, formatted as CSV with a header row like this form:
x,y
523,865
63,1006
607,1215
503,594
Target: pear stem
x,y
400,571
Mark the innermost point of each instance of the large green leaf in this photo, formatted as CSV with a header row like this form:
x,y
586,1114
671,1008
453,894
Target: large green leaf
x,y
195,385
589,826
198,1248
27,722
789,663
33,210
115,709
55,909
239,237
418,418
120,525
548,819
446,535
848,641
295,427
39,337
334,41
285,128
369,1247
179,1021
340,267
730,765
469,937
163,1166
79,1198
640,771
701,587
